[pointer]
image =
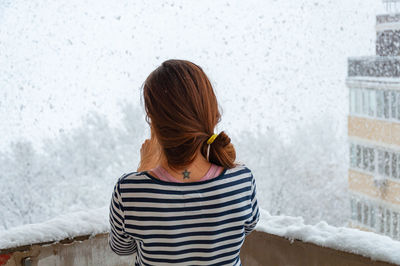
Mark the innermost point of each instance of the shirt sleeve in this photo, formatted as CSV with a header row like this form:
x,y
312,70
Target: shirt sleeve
x,y
119,241
251,223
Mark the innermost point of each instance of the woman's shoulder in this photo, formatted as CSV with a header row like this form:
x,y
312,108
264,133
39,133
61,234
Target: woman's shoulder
x,y
126,177
240,170
240,167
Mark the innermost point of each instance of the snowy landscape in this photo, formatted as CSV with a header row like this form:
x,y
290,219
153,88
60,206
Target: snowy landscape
x,y
72,120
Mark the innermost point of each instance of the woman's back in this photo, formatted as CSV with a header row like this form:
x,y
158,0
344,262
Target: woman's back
x,y
196,223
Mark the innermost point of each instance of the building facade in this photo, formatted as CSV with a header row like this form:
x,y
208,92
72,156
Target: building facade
x,y
374,132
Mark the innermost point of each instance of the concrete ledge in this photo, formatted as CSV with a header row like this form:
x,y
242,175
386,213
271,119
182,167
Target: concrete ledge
x,y
82,250
259,248
266,249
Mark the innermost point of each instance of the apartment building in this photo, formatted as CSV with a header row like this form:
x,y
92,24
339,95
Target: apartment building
x,y
374,131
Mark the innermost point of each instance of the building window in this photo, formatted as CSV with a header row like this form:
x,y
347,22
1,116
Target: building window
x,y
378,218
358,101
365,158
372,216
393,105
371,160
386,104
398,165
395,218
388,222
380,162
365,101
353,209
372,103
398,105
387,164
381,220
375,103
394,165
379,103
352,155
358,156
359,212
352,101
366,214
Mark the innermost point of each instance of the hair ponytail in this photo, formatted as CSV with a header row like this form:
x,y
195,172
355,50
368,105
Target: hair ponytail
x,y
222,151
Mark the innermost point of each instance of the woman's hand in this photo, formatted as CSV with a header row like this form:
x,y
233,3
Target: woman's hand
x,y
149,154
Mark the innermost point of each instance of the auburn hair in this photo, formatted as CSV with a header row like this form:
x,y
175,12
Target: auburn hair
x,y
182,109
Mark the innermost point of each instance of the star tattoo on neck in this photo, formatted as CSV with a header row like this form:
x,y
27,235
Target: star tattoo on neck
x,y
186,174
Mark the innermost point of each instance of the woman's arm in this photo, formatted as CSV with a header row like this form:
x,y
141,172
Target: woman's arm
x,y
255,215
120,242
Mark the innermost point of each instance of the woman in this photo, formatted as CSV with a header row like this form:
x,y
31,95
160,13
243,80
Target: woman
x,y
189,203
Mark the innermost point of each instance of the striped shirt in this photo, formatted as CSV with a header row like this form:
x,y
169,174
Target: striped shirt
x,y
194,223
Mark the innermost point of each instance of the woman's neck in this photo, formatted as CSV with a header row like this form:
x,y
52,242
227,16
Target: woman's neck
x,y
193,172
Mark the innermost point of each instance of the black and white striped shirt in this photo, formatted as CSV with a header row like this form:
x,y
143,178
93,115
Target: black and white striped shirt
x,y
195,223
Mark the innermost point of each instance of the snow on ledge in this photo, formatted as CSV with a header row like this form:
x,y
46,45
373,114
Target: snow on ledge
x,y
368,244
67,226
92,222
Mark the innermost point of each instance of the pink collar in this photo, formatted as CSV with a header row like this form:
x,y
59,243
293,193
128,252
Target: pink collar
x,y
162,174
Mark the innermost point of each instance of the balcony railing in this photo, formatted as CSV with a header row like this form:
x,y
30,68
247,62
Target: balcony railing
x,y
387,18
259,248
381,67
278,240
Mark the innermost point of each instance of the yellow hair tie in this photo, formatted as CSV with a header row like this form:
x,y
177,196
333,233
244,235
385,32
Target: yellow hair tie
x,y
212,138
